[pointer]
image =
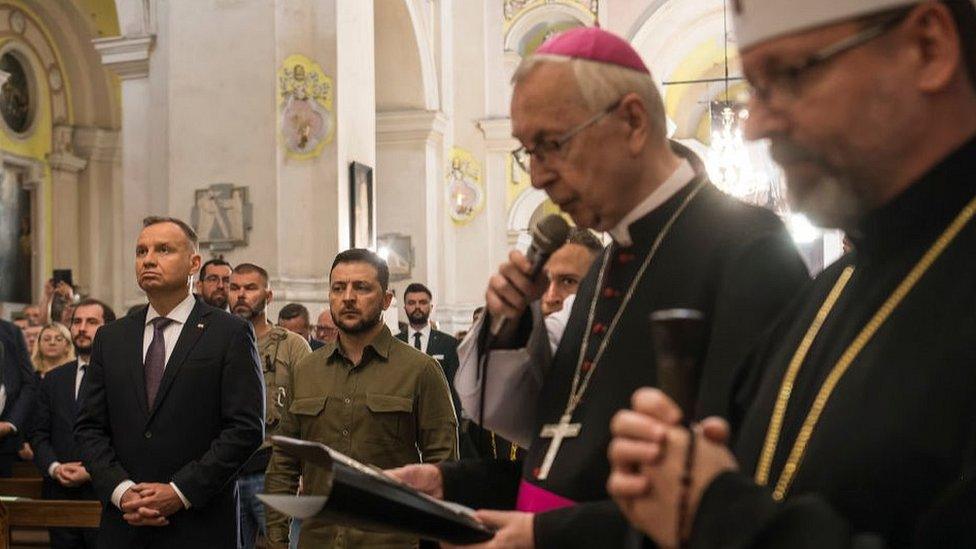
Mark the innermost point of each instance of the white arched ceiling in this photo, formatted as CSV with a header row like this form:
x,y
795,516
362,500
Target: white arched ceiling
x,y
681,40
406,73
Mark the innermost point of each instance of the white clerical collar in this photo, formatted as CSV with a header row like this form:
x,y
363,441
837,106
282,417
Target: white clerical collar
x,y
681,176
180,313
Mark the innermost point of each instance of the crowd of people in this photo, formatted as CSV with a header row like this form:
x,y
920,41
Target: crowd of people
x,y
830,413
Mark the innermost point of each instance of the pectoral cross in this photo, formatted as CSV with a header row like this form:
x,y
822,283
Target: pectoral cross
x,y
557,432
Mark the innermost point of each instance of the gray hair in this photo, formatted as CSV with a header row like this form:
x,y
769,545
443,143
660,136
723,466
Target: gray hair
x,y
600,84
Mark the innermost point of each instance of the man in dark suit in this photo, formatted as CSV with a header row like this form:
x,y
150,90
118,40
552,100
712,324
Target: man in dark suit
x,y
18,386
55,451
173,407
418,303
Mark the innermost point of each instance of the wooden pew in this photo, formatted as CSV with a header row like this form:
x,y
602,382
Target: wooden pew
x,y
32,512
35,513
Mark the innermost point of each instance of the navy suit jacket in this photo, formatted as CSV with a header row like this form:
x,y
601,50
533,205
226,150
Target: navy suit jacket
x,y
207,420
53,436
20,383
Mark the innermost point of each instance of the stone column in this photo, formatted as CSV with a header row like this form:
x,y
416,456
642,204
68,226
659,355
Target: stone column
x,y
409,147
313,193
133,197
65,167
96,208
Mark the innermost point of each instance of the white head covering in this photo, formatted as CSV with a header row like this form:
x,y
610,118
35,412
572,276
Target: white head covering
x,y
759,20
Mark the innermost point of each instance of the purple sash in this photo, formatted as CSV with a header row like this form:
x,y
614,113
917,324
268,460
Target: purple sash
x,y
533,499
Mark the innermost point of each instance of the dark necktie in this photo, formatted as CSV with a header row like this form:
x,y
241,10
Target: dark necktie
x,y
156,358
416,340
84,370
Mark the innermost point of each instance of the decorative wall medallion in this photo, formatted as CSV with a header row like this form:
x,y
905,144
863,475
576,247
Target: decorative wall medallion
x,y
222,216
398,251
17,103
54,78
305,99
17,21
464,191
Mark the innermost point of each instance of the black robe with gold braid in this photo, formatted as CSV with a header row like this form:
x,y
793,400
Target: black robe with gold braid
x,y
891,461
734,262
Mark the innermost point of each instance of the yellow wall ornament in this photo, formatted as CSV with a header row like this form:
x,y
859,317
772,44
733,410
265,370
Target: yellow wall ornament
x,y
305,101
465,195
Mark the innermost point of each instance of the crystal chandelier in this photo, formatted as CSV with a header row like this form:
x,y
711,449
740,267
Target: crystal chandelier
x,y
728,162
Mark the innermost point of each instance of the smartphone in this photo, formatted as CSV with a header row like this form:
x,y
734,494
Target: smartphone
x,y
62,275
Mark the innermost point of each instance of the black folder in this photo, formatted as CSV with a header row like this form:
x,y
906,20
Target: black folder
x,y
364,497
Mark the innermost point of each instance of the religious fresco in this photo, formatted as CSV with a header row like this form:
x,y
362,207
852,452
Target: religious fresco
x,y
306,99
16,248
16,100
465,194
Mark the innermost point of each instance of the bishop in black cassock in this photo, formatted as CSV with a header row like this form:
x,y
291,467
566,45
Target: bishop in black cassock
x,y
733,262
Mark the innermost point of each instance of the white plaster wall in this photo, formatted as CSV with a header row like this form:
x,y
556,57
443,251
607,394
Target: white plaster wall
x,y
308,235
221,110
356,97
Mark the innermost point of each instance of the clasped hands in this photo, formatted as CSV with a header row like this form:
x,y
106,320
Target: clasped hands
x,y
149,504
647,461
71,474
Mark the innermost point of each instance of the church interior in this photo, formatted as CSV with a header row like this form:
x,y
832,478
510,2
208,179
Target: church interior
x,y
761,199
288,131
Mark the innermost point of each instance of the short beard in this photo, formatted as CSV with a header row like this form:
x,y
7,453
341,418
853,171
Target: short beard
x,y
216,300
419,321
82,351
828,199
360,326
251,312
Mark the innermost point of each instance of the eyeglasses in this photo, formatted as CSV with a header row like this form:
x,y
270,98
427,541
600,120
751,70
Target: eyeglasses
x,y
523,155
786,82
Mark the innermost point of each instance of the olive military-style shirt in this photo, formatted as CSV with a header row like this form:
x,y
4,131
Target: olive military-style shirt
x,y
280,351
392,409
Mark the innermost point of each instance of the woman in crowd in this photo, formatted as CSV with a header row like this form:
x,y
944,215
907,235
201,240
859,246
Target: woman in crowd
x,y
53,348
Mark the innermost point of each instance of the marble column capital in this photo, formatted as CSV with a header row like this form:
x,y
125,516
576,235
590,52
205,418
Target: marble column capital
x,y
498,134
413,126
97,144
127,56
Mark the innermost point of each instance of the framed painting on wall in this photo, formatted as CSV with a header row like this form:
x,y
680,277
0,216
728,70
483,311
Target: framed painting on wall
x,y
362,232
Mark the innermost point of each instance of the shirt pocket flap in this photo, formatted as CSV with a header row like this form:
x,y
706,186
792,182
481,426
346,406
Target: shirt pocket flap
x,y
308,406
388,403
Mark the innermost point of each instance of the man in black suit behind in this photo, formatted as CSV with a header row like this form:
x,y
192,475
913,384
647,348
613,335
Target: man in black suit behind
x,y
418,303
19,387
55,451
173,407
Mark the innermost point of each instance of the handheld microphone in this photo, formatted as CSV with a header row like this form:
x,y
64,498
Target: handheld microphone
x,y
548,236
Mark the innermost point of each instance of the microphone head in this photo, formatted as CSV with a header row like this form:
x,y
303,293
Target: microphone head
x,y
550,234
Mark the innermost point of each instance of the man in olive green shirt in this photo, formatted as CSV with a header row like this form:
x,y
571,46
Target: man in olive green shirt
x,y
280,350
369,396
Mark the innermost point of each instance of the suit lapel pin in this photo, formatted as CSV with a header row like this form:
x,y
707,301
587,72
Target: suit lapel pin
x,y
200,326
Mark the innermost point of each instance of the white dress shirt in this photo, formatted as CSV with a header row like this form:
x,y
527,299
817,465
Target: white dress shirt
x,y
171,334
424,337
79,376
